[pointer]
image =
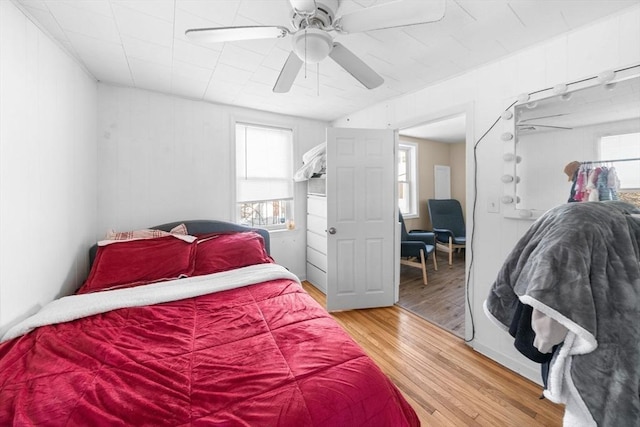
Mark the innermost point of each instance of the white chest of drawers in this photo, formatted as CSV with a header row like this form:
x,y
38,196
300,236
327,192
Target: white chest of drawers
x,y
317,241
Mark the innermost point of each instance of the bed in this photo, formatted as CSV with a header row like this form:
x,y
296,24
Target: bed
x,y
172,329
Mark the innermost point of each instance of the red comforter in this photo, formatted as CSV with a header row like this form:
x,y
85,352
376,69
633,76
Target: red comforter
x,y
261,355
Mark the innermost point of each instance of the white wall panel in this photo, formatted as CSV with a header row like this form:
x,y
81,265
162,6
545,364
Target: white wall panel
x,y
47,168
164,158
608,44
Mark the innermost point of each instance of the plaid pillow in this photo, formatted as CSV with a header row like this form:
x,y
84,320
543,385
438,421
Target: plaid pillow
x,y
145,233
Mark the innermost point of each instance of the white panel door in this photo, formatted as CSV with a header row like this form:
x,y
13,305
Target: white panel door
x,y
361,216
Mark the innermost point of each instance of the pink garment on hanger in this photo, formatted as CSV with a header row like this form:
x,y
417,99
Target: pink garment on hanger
x,y
592,190
581,184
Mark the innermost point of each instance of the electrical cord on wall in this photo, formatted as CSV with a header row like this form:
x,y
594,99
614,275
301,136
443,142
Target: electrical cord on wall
x,y
473,216
475,189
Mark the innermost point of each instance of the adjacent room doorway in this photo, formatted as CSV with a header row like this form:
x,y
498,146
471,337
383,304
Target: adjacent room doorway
x,y
440,142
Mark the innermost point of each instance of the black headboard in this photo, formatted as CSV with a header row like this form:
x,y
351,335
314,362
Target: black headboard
x,y
202,226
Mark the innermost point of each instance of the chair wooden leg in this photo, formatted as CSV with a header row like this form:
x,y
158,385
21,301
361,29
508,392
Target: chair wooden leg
x,y
424,267
450,251
435,261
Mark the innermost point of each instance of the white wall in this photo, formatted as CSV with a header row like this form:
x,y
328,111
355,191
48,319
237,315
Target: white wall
x,y
164,158
47,167
608,44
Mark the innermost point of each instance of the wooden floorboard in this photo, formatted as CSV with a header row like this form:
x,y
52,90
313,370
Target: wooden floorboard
x,y
446,381
442,300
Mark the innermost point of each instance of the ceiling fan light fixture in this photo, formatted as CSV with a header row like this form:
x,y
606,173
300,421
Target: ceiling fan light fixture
x,y
312,45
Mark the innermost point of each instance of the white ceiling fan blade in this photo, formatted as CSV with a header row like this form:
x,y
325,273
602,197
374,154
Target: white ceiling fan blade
x,y
545,126
394,14
543,117
231,34
355,66
304,6
288,74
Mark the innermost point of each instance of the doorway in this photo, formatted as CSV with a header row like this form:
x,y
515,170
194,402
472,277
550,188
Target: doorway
x,y
440,144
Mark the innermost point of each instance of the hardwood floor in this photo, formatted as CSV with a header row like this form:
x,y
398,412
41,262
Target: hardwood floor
x,y
442,300
446,381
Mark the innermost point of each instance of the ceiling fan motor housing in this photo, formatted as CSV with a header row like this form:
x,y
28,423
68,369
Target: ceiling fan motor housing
x,y
322,17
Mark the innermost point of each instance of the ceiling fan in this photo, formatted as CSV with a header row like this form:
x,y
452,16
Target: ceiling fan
x,y
313,21
526,125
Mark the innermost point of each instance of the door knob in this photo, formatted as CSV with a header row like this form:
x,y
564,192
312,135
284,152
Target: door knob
x,y
332,230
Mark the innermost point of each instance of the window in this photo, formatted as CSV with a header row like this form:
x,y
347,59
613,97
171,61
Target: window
x,y
625,146
264,176
407,179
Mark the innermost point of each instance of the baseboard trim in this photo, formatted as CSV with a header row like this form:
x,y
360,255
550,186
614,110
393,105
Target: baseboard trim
x,y
529,370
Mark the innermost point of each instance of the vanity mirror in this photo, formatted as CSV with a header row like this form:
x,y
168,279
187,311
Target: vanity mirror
x,y
566,124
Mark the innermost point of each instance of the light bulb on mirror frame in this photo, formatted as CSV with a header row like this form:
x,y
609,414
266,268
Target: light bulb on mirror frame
x,y
507,115
606,76
506,136
507,200
560,88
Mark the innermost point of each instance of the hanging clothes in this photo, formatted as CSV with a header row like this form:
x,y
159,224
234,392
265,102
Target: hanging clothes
x,y
581,182
571,170
613,183
591,183
604,192
572,193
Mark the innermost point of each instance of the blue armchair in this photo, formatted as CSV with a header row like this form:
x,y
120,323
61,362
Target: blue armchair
x,y
448,224
415,247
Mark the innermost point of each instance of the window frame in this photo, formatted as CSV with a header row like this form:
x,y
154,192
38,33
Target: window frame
x,y
235,213
600,156
412,164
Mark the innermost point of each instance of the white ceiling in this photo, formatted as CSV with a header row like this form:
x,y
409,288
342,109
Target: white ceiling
x,y
141,43
450,130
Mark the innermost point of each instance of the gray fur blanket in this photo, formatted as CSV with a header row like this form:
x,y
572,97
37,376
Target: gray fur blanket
x,y
579,264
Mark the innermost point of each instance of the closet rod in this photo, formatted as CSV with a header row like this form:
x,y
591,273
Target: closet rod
x,y
613,161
